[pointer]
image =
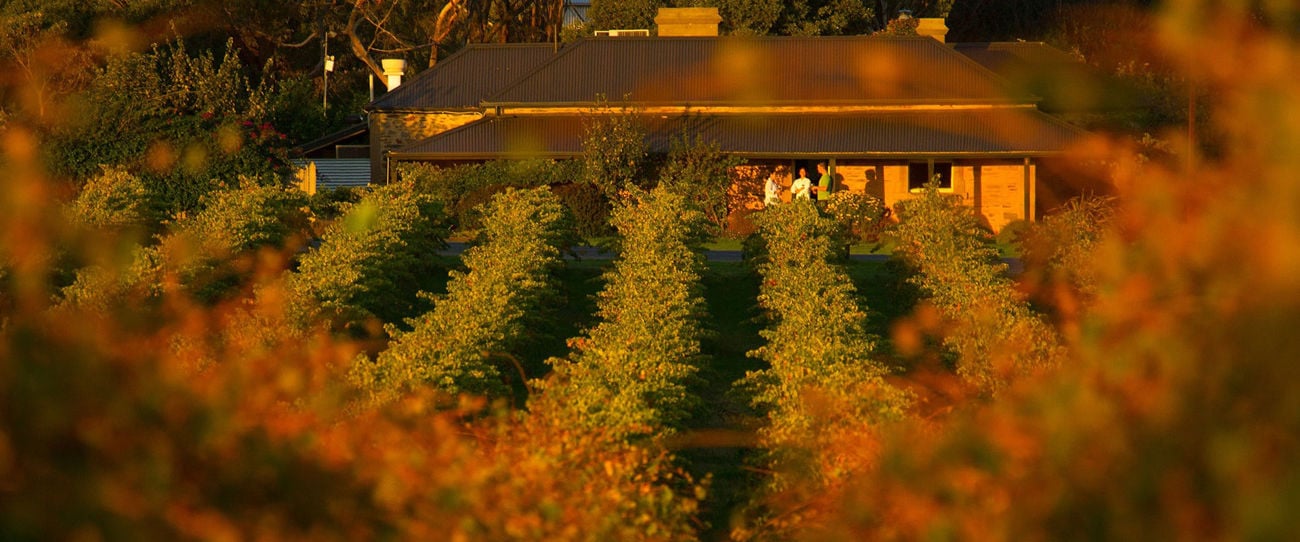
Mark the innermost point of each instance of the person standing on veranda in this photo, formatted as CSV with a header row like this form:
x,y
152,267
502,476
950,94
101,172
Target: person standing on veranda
x,y
824,183
801,188
771,190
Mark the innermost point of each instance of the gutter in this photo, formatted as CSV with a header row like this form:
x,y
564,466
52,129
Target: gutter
x,y
1030,101
554,155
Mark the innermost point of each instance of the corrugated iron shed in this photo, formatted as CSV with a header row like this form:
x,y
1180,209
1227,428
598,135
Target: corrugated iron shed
x,y
464,79
1004,131
334,173
760,71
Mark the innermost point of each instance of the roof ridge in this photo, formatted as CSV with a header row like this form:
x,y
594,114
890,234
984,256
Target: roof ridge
x,y
1002,81
393,94
413,88
564,51
535,44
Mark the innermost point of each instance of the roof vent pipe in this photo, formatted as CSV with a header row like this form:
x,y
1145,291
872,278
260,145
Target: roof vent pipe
x,y
394,69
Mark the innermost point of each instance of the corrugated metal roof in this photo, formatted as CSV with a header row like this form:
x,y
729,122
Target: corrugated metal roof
x,y
769,70
1007,131
328,140
466,78
339,172
1009,57
1065,83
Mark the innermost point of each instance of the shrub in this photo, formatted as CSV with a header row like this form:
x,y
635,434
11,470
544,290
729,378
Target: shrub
x,y
123,434
228,422
995,335
372,261
114,199
1174,413
703,174
824,395
588,206
462,189
185,124
1056,251
861,217
203,255
486,308
615,156
328,205
630,374
553,481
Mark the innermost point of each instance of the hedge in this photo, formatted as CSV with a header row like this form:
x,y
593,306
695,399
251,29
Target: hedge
x,y
630,373
457,346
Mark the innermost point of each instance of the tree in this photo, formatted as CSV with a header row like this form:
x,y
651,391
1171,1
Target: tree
x,y
621,14
889,10
826,18
37,47
614,152
748,17
188,125
703,174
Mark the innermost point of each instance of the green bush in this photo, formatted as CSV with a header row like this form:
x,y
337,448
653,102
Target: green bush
x,y
113,199
994,333
464,188
457,346
861,217
328,205
588,206
824,380
372,261
703,174
186,125
201,255
630,374
615,156
824,395
1056,251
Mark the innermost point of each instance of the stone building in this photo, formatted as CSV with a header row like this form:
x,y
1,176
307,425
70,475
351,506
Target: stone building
x,y
886,114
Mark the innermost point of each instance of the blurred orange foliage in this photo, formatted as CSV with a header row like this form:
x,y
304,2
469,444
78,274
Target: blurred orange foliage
x,y
1174,413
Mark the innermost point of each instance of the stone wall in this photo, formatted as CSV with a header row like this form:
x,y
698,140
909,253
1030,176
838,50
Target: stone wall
x,y
392,131
996,188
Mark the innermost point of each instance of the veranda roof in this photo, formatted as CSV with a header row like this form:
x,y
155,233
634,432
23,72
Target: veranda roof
x,y
1002,131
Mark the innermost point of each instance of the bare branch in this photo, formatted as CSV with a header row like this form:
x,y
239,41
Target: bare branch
x,y
310,38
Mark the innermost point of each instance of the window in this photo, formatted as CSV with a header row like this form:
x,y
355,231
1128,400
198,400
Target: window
x,y
919,172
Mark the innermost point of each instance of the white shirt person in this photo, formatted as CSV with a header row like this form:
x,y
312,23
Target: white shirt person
x,y
801,188
771,191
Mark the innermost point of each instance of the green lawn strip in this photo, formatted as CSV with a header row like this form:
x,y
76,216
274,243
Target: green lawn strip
x,y
724,243
731,295
572,310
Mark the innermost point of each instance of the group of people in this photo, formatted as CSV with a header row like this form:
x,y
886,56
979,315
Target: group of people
x,y
801,188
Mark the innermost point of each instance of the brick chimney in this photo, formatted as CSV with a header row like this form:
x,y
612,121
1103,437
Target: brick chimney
x,y
688,21
933,27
